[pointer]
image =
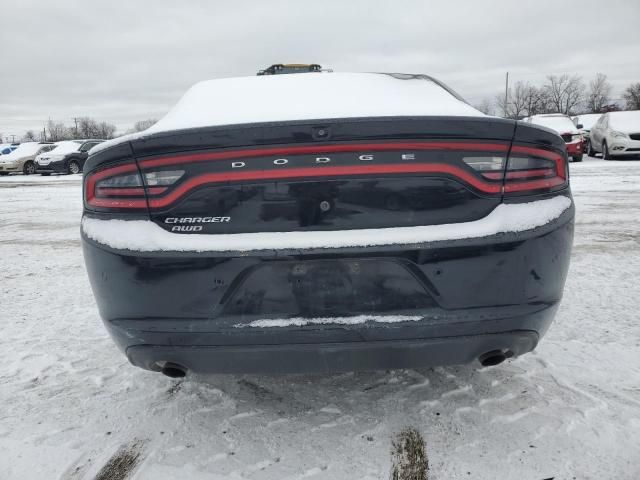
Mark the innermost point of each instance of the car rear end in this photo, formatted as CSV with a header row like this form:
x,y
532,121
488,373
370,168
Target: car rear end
x,y
575,144
564,126
327,246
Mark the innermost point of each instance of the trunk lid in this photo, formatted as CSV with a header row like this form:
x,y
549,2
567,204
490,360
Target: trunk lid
x,y
333,175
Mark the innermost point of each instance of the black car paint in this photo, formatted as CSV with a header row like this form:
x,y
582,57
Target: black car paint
x,y
476,295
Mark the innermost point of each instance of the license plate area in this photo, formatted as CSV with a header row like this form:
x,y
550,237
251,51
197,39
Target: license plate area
x,y
326,288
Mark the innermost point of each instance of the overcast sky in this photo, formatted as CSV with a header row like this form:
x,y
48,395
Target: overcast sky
x,y
130,60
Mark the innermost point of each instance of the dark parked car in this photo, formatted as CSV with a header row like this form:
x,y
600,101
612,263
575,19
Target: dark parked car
x,y
66,157
387,224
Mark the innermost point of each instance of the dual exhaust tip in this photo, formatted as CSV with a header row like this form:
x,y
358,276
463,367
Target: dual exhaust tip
x,y
494,357
488,359
173,370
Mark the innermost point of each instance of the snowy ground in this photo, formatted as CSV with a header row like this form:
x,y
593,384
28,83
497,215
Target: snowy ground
x,y
70,403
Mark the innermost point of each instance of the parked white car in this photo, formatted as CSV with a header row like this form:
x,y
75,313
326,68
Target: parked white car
x,y
22,159
563,125
616,134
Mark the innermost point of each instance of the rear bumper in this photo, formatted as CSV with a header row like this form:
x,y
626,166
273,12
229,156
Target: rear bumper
x,y
575,149
491,293
332,357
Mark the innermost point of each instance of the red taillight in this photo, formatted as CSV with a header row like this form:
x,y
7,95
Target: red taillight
x,y
101,188
528,169
122,187
534,170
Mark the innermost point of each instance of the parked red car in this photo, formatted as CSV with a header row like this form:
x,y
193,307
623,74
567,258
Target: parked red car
x,y
565,128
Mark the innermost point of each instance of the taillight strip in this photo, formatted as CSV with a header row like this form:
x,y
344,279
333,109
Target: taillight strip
x,y
117,203
519,174
355,147
183,188
534,184
129,192
311,172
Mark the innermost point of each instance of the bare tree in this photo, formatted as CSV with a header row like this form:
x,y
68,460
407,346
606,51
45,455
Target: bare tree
x,y
523,99
87,128
537,101
144,124
29,136
518,100
598,93
514,108
500,105
565,92
57,131
485,106
632,96
106,130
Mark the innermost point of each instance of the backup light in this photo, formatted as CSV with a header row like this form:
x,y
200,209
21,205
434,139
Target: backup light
x,y
163,177
484,164
131,180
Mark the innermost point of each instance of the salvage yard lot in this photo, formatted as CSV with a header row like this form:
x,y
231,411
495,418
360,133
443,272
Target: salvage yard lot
x,y
71,404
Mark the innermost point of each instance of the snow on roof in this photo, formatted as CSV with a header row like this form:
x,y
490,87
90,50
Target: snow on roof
x,y
559,123
66,146
305,96
626,122
23,150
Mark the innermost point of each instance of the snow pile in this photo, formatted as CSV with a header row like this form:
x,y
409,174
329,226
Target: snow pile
x,y
146,236
304,96
355,320
626,122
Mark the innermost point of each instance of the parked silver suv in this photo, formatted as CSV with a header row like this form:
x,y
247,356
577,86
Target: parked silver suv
x,y
616,134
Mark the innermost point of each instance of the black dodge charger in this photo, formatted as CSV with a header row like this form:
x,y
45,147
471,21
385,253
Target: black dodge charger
x,y
327,222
